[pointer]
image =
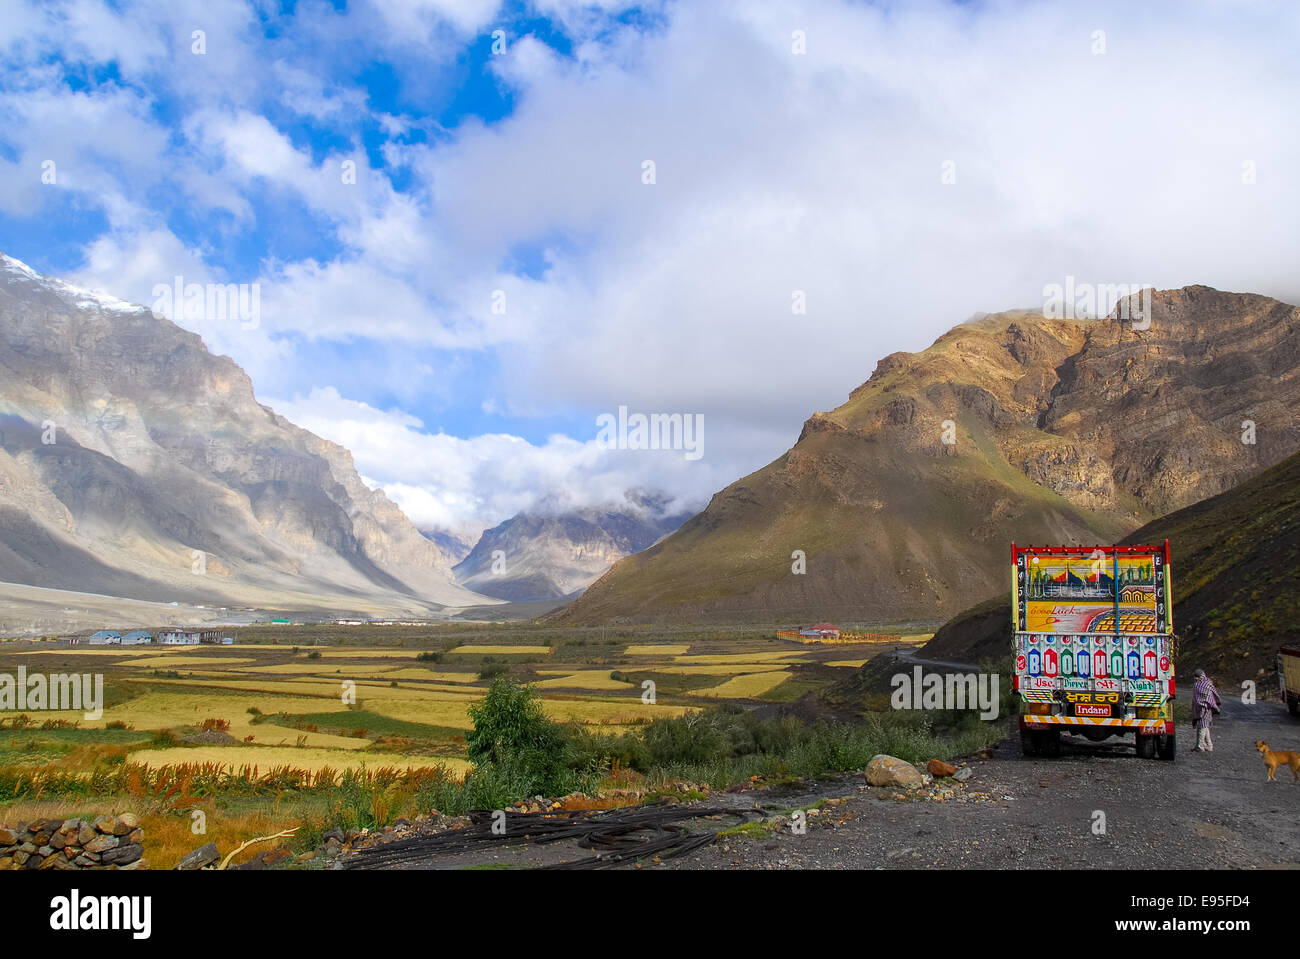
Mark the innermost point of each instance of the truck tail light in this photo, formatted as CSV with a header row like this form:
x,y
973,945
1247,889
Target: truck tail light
x,y
1015,682
1040,709
1171,687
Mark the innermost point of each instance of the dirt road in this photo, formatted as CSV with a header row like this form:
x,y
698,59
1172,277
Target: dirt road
x,y
1202,811
1205,810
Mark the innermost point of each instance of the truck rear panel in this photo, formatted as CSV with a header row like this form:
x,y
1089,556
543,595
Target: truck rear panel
x,y
1093,640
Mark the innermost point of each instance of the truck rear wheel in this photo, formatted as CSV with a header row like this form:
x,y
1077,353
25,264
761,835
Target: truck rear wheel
x,y
1165,746
1294,706
1050,742
1146,746
1029,742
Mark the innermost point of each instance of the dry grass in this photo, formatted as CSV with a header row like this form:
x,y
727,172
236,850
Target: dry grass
x,y
724,669
154,662
601,712
844,662
583,679
666,649
487,650
747,686
718,659
266,758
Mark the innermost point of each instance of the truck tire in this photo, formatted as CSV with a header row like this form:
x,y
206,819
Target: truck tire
x,y
1293,705
1050,743
1146,746
1165,747
1029,742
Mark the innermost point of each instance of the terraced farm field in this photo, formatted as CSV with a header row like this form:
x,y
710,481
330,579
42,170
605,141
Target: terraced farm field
x,y
325,700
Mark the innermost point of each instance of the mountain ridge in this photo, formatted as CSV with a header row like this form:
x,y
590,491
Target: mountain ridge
x,y
137,463
1009,426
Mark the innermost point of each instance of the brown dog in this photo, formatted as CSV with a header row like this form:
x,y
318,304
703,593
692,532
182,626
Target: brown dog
x,y
1273,759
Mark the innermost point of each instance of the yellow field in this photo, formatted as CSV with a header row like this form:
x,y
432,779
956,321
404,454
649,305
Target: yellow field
x,y
724,669
583,679
603,712
328,690
793,656
454,714
341,669
164,710
665,650
499,650
744,687
264,758
361,652
845,662
415,672
152,662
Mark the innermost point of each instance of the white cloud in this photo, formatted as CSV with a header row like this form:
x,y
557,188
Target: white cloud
x,y
776,172
466,485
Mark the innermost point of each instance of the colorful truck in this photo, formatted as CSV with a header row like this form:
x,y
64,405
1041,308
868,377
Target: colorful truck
x,y
1094,645
1288,674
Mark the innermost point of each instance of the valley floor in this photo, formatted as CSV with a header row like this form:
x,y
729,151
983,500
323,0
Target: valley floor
x,y
1203,811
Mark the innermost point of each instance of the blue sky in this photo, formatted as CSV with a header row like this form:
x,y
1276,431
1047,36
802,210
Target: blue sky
x,y
798,146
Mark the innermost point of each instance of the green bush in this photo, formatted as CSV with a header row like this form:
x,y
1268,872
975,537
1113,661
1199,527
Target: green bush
x,y
527,752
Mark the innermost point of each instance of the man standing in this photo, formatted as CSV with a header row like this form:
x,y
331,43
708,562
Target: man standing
x,y
1205,705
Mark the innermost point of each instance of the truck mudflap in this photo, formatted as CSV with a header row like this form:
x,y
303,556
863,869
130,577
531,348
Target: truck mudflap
x,y
1147,727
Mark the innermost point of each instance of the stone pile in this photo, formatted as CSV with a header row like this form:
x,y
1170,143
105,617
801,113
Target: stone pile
x,y
107,842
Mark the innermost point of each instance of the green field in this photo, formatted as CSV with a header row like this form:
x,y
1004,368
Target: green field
x,y
304,705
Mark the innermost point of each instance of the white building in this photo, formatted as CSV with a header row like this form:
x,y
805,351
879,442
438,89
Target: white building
x,y
178,637
105,637
136,638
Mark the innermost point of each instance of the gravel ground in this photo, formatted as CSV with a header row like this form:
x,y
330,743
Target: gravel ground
x,y
1203,811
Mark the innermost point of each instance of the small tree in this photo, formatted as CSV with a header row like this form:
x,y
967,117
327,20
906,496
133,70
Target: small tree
x,y
512,734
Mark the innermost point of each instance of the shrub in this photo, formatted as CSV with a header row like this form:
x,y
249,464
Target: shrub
x,y
529,753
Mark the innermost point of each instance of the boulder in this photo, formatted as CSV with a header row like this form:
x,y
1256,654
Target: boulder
x,y
8,837
963,774
888,771
203,856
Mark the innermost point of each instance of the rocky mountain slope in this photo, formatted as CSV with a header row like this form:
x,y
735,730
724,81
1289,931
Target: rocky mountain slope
x,y
1011,427
544,555
134,463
